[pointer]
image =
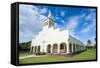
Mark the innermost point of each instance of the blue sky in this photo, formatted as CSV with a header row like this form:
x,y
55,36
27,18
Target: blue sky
x,y
81,22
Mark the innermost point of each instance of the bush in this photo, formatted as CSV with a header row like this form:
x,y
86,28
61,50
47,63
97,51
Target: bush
x,y
40,53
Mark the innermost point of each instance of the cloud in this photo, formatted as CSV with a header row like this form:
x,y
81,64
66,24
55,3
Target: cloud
x,y
86,23
30,22
25,36
88,28
71,25
62,21
73,22
90,22
43,10
62,13
57,18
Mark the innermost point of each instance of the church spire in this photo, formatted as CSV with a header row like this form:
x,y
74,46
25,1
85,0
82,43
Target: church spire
x,y
49,15
49,22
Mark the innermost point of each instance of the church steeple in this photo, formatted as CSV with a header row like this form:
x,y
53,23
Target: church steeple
x,y
49,15
49,22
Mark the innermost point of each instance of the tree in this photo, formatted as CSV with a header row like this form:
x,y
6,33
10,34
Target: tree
x,y
95,39
95,42
88,43
25,46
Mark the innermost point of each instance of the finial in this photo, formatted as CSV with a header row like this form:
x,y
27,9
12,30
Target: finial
x,y
49,15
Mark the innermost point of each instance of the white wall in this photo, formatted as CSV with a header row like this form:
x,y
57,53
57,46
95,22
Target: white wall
x,y
50,36
5,34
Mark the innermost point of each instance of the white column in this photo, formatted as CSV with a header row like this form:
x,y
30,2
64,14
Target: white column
x,y
67,47
42,48
36,48
33,49
51,48
58,48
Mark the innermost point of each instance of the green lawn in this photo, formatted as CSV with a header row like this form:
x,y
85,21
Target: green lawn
x,y
89,54
24,54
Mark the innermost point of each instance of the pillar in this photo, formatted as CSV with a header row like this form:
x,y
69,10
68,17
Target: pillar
x,y
51,48
67,48
72,48
33,49
59,48
36,48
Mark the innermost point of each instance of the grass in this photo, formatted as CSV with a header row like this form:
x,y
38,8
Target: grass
x,y
89,54
24,54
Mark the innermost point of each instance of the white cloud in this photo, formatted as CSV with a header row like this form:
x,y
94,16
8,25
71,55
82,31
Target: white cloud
x,y
62,13
88,28
71,25
30,22
62,21
25,36
83,15
90,16
57,18
44,10
73,34
73,22
85,23
91,22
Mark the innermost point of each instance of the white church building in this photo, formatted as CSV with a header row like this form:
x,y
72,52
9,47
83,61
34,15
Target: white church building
x,y
52,40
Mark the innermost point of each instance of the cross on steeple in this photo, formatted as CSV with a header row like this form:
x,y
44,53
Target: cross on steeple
x,y
49,22
49,15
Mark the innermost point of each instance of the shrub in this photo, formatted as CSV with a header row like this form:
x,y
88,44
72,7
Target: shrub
x,y
40,53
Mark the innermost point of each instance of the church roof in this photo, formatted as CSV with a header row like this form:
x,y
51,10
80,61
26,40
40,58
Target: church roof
x,y
73,38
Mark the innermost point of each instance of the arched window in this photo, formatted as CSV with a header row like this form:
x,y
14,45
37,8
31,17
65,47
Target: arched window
x,y
48,48
70,47
35,48
55,48
63,47
38,48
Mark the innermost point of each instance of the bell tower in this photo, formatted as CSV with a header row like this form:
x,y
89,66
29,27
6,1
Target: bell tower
x,y
48,22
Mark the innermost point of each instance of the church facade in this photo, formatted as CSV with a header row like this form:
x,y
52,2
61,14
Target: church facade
x,y
55,41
